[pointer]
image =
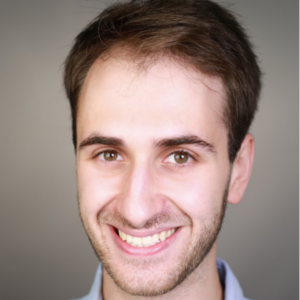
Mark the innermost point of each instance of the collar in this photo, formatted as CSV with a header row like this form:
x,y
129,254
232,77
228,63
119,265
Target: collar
x,y
229,282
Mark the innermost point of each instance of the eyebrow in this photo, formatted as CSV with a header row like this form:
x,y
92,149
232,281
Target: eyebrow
x,y
184,140
96,139
102,140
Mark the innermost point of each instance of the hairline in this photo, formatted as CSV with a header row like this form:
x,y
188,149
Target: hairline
x,y
142,62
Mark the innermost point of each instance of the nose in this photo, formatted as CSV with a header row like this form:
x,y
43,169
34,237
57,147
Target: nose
x,y
138,202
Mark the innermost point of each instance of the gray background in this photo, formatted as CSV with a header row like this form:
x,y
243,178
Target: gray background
x,y
44,253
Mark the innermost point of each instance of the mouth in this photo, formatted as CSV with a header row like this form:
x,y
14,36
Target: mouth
x,y
141,243
146,241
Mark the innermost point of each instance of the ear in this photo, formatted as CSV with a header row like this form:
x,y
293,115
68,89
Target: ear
x,y
241,170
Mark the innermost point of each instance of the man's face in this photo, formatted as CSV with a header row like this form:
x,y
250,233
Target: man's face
x,y
152,164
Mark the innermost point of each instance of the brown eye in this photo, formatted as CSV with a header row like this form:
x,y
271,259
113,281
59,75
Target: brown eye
x,y
181,157
110,155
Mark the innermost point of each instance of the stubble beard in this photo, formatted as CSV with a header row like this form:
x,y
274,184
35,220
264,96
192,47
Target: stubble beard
x,y
138,282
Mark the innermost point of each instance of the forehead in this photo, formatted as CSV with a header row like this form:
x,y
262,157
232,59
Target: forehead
x,y
164,98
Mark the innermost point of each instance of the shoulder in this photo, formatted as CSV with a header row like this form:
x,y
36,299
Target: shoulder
x,y
231,286
96,289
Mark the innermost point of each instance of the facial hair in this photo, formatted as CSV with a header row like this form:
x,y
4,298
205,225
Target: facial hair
x,y
138,282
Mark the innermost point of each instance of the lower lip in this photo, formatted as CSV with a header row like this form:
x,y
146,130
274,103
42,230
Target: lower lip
x,y
143,251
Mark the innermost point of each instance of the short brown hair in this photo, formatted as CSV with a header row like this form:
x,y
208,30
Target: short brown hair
x,y
200,32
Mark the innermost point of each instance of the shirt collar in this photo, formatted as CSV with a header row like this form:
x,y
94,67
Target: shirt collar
x,y
232,289
231,286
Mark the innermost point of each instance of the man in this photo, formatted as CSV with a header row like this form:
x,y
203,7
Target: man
x,y
162,94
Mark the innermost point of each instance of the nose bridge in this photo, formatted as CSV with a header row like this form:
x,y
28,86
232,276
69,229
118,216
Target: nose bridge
x,y
137,182
137,203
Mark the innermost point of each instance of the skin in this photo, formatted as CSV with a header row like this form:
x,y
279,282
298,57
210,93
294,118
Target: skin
x,y
144,189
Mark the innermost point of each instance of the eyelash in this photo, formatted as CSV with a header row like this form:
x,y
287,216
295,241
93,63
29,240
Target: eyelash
x,y
102,152
181,151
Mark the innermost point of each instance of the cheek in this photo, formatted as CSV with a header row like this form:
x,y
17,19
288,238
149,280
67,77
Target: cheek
x,y
95,191
198,194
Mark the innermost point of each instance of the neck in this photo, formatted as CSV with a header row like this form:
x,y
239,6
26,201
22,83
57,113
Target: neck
x,y
202,284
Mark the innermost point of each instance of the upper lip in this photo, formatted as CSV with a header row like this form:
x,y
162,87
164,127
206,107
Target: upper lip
x,y
145,232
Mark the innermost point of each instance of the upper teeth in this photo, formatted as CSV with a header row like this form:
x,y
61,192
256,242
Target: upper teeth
x,y
146,241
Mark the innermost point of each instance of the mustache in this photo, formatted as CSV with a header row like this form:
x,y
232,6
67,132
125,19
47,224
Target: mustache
x,y
116,219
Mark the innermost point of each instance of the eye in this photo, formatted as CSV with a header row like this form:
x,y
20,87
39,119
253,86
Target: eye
x,y
178,157
110,155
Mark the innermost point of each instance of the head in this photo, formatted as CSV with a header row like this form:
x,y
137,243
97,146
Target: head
x,y
162,95
199,33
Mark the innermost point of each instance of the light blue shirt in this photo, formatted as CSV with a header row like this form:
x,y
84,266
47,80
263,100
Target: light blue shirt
x,y
232,289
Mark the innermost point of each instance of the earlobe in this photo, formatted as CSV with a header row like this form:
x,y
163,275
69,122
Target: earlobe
x,y
241,170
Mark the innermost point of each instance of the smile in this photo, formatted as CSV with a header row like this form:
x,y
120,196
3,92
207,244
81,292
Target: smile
x,y
146,241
